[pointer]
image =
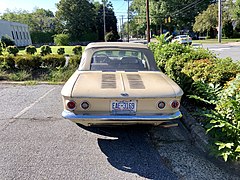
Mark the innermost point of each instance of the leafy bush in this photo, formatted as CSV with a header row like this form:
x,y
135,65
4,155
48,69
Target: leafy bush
x,y
28,62
12,50
205,78
75,60
7,41
53,61
62,74
111,37
30,50
45,49
224,124
1,50
216,71
163,52
61,39
39,37
7,62
61,51
77,50
20,76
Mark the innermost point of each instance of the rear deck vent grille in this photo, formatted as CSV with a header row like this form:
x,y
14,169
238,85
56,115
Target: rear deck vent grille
x,y
135,81
108,81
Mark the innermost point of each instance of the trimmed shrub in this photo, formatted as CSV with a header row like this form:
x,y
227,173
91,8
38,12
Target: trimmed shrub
x,y
53,61
163,52
61,51
216,71
30,50
75,60
77,50
61,39
45,49
7,41
12,50
7,62
27,62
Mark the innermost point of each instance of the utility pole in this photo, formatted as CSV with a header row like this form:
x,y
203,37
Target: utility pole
x,y
128,21
104,18
219,21
147,19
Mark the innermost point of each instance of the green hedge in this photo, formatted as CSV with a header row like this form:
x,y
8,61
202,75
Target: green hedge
x,y
53,60
213,84
28,62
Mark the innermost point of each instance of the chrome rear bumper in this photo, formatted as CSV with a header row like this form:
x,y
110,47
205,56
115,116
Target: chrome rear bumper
x,y
90,119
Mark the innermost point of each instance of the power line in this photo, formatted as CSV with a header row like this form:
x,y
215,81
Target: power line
x,y
186,8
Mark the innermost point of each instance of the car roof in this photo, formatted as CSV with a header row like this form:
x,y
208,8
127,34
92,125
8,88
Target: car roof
x,y
116,45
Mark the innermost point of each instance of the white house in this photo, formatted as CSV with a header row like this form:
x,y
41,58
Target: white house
x,y
16,31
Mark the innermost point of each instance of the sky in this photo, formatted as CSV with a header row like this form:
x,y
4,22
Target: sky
x,y
120,6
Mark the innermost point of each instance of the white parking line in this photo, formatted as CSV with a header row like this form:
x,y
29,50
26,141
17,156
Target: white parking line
x,y
218,49
31,105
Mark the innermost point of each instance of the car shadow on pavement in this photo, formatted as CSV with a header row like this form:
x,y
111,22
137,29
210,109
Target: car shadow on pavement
x,y
129,149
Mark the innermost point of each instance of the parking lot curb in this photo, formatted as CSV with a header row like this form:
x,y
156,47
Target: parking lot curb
x,y
30,83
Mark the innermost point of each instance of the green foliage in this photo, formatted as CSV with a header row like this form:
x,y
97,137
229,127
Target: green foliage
x,y
12,50
53,61
45,49
78,17
41,37
77,50
40,20
163,52
62,74
28,62
75,60
111,20
7,62
30,50
111,37
216,71
20,76
60,51
207,19
210,82
225,122
61,39
7,41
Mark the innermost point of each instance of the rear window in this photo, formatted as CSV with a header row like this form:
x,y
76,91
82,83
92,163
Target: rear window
x,y
119,60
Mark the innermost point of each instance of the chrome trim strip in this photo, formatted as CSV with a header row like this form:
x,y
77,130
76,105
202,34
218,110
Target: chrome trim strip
x,y
98,117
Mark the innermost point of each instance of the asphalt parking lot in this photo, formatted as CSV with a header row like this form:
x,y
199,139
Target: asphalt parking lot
x,y
37,143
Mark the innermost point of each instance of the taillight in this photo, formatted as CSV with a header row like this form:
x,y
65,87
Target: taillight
x,y
71,105
175,104
85,105
161,105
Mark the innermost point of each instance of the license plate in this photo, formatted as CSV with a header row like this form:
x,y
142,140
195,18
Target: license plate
x,y
123,107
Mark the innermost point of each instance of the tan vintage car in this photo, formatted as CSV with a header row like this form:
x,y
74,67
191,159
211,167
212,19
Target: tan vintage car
x,y
118,83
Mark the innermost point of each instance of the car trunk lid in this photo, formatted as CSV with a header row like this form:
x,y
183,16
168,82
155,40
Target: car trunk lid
x,y
120,84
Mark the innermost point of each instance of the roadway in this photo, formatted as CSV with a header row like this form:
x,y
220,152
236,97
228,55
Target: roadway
x,y
231,50
37,143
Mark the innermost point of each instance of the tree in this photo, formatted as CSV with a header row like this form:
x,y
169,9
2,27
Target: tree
x,y
77,17
168,14
39,20
111,20
42,23
207,21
